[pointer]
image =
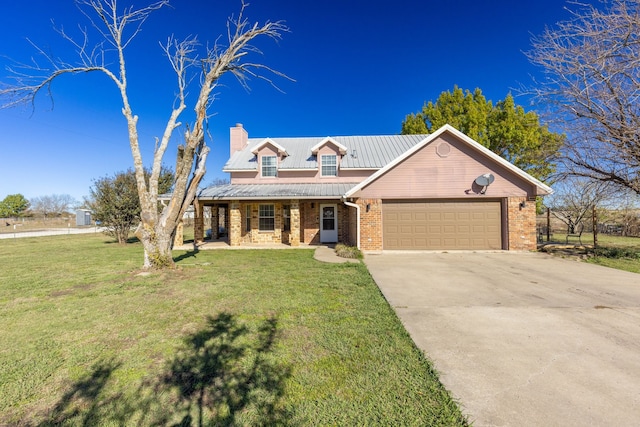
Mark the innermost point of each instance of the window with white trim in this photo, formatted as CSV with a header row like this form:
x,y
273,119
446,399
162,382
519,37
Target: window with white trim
x,y
269,166
329,164
267,218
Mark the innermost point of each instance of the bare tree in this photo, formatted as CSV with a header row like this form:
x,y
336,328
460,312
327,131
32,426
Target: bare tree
x,y
574,199
591,83
52,205
117,28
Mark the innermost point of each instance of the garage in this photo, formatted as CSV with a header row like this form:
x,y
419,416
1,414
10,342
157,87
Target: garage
x,y
442,224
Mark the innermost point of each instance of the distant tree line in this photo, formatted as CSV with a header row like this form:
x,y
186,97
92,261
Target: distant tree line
x,y
51,206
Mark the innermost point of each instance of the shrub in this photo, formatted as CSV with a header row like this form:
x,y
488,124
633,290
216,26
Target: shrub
x,y
614,252
345,251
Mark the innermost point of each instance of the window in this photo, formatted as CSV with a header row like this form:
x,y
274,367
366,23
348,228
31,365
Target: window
x,y
267,218
269,166
286,217
329,165
248,218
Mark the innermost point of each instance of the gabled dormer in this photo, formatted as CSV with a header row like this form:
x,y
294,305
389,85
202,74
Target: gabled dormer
x,y
268,155
328,153
329,141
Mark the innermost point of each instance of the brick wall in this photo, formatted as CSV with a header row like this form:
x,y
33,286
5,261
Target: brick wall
x,y
343,223
235,224
370,224
294,234
310,222
255,235
521,224
353,226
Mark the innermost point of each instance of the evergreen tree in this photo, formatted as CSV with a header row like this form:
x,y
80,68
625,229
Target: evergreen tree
x,y
506,129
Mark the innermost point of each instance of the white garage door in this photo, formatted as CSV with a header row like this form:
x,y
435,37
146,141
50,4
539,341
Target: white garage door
x,y
428,224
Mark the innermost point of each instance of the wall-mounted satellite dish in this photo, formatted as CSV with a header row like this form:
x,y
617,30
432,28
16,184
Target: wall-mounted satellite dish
x,y
484,181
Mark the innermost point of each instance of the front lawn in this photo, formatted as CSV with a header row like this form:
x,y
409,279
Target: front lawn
x,y
622,253
245,337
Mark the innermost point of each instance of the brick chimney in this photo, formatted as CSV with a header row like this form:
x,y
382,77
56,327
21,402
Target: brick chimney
x,y
238,138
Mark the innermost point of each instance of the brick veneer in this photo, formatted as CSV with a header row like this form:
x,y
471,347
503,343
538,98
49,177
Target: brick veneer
x,y
521,224
294,233
352,214
235,223
370,224
310,222
254,235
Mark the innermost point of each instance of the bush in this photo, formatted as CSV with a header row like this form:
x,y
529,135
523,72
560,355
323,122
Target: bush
x,y
345,251
617,253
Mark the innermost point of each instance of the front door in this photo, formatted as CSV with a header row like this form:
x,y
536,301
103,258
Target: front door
x,y
328,223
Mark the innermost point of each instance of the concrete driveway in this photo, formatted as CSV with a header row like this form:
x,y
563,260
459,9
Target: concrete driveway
x,y
522,339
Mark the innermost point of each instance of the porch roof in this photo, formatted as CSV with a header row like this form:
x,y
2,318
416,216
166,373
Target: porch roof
x,y
276,191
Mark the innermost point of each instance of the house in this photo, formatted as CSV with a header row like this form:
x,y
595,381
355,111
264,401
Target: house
x,y
442,191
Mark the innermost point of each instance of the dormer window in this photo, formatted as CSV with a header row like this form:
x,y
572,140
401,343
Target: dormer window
x,y
269,166
329,164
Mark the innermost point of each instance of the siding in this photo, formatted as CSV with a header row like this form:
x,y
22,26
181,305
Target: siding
x,y
449,174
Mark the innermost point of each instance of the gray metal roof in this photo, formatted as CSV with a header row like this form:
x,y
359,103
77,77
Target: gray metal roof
x,y
276,191
363,152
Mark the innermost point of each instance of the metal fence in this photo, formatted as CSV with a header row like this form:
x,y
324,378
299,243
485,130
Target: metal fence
x,y
16,232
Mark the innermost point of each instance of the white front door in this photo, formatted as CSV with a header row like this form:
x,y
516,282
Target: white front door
x,y
328,223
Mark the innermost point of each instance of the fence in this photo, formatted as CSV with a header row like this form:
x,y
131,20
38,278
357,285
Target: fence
x,y
614,223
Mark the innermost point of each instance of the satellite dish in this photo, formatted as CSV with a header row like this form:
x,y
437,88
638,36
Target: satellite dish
x,y
485,180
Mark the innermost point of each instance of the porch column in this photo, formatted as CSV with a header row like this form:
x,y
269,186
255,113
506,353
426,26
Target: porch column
x,y
198,222
235,223
294,233
178,240
214,222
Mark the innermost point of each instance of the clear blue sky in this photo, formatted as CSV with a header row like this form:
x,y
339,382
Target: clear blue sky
x,y
360,67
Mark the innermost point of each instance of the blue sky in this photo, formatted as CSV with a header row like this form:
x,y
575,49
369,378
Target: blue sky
x,y
359,67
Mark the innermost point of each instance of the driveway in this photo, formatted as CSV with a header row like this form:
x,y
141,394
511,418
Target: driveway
x,y
522,339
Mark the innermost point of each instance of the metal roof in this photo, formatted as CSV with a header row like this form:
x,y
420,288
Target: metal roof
x,y
363,152
276,191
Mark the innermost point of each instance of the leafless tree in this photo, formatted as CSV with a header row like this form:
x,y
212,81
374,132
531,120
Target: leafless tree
x,y
52,205
574,199
117,28
591,66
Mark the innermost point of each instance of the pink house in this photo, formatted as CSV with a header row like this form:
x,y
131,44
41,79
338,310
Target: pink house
x,y
441,191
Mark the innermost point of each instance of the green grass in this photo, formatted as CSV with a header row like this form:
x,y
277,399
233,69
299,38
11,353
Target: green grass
x,y
622,253
251,337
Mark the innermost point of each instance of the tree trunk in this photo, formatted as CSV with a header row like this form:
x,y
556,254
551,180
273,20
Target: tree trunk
x,y
158,243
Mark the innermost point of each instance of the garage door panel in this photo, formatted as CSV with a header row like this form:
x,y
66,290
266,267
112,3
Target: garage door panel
x,y
442,225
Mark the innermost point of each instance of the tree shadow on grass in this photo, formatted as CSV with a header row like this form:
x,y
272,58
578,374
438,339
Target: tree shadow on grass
x,y
82,400
224,374
188,254
114,241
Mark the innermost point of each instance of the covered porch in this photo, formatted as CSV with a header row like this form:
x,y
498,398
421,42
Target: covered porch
x,y
265,215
